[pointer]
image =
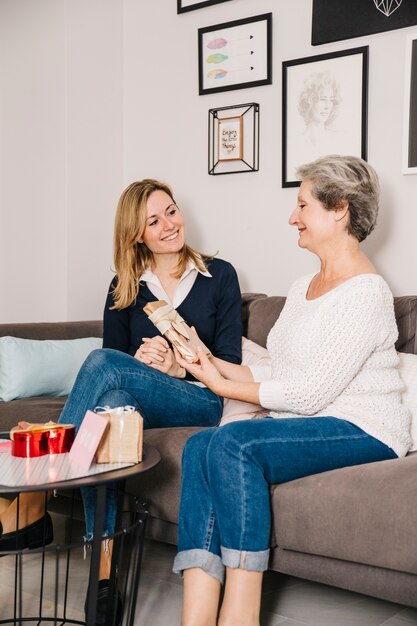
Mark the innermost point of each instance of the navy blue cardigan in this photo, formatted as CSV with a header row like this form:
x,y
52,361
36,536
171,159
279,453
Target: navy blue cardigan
x,y
213,306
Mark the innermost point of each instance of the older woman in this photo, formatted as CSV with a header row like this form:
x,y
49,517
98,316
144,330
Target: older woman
x,y
333,391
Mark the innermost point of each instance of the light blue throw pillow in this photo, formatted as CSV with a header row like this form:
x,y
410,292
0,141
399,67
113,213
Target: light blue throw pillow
x,y
30,367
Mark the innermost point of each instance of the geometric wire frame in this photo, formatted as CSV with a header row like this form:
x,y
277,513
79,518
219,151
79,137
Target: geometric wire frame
x,y
233,139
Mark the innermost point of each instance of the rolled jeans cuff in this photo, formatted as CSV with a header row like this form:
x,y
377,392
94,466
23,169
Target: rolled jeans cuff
x,y
205,560
242,559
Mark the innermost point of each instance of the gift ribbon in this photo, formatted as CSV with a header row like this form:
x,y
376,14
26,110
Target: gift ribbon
x,y
167,317
118,409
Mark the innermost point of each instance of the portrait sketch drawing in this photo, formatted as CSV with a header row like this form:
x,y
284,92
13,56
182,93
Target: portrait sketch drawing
x,y
323,109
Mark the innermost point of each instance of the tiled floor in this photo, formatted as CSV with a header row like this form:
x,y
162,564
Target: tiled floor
x,y
286,600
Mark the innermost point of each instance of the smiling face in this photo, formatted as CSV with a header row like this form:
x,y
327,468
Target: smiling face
x,y
316,225
322,107
165,230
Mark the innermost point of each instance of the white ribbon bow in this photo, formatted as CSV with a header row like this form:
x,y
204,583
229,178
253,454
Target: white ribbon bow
x,y
120,410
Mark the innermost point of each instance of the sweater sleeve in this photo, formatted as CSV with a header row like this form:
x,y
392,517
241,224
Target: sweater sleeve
x,y
115,325
228,334
343,337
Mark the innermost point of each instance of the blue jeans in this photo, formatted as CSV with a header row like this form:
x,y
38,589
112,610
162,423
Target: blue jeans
x,y
112,378
225,517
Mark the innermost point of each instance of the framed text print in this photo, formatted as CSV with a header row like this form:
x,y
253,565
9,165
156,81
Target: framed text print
x,y
235,55
324,108
410,108
190,5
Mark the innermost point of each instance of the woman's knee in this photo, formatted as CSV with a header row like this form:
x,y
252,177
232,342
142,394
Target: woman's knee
x,y
227,442
97,359
117,397
106,359
197,444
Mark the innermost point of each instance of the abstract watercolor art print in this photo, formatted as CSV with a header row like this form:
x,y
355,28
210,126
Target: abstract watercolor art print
x,y
334,20
235,55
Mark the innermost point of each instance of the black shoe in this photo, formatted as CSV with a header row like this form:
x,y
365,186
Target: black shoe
x,y
103,602
38,534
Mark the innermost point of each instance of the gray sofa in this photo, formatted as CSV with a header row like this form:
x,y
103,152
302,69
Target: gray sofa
x,y
354,528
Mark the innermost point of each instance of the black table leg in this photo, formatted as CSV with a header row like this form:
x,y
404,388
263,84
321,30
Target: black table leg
x,y
95,556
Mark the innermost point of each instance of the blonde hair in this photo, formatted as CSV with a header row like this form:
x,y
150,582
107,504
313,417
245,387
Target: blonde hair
x,y
132,258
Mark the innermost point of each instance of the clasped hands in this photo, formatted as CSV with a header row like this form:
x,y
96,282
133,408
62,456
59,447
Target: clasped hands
x,y
156,353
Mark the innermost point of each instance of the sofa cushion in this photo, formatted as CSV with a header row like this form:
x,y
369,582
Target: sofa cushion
x,y
364,514
406,316
247,298
32,367
263,313
39,409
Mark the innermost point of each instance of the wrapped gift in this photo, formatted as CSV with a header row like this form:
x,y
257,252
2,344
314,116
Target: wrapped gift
x,y
31,440
170,324
122,441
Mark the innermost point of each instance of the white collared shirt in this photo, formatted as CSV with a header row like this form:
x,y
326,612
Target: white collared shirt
x,y
183,288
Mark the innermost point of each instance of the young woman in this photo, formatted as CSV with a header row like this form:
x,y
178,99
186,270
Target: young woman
x,y
333,391
137,367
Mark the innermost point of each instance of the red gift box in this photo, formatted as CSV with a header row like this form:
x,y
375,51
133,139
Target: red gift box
x,y
32,440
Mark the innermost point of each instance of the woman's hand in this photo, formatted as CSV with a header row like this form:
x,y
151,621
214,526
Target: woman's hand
x,y
156,353
204,371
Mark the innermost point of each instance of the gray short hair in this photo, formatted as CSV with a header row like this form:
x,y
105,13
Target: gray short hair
x,y
337,178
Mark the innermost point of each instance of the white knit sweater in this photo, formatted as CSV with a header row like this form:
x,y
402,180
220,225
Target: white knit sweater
x,y
335,356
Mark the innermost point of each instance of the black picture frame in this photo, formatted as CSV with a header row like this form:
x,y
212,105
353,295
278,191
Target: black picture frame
x,y
335,20
324,108
410,107
200,4
233,139
235,55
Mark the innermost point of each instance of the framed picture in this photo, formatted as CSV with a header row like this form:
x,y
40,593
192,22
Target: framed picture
x,y
410,107
235,55
234,139
324,108
190,5
334,20
230,138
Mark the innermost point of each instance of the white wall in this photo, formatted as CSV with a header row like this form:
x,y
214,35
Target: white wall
x,y
97,93
61,132
33,227
94,103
